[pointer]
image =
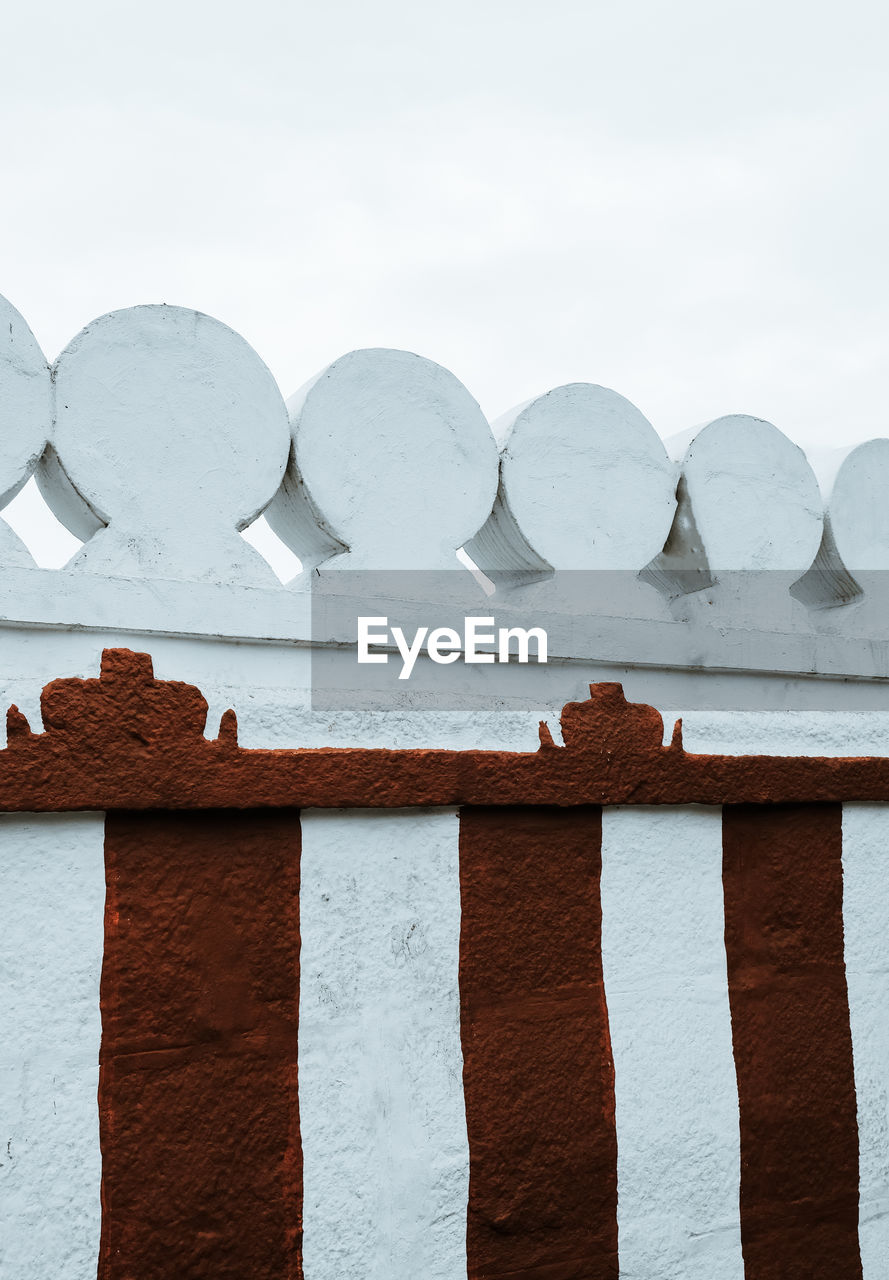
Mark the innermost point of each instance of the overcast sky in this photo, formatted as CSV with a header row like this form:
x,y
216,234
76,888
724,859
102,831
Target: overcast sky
x,y
685,201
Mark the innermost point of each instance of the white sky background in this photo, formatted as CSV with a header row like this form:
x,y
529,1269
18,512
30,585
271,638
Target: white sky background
x,y
686,201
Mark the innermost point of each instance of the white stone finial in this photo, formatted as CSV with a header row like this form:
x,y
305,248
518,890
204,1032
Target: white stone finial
x,y
25,417
585,483
393,465
859,507
171,431
829,582
754,498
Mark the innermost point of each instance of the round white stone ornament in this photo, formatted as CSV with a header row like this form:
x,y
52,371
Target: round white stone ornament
x,y
393,465
25,417
585,483
754,497
171,431
859,507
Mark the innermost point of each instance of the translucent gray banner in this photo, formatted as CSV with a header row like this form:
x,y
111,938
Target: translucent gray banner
x,y
385,640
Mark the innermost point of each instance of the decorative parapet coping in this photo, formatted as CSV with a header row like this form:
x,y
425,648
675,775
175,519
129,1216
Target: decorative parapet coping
x,y
129,741
158,434
706,640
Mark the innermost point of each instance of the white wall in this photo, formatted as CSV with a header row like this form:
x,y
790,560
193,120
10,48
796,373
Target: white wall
x,y
385,1158
52,891
663,956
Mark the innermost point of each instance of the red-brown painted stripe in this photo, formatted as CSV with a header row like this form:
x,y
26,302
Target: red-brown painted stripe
x,y
128,741
792,1041
202,1164
538,1072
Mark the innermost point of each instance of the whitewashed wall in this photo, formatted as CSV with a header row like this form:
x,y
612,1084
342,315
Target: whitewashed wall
x,y
748,597
52,890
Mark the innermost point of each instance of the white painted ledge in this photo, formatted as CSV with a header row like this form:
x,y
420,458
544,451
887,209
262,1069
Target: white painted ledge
x,y
77,601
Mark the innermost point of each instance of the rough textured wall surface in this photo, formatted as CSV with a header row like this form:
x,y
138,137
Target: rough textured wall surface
x,y
381,1099
678,1154
650,1099
52,893
866,921
201,1154
792,1040
539,1076
650,1102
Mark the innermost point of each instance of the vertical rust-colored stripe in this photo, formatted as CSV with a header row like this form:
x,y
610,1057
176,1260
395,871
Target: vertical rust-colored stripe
x,y
201,1157
538,1071
792,1042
